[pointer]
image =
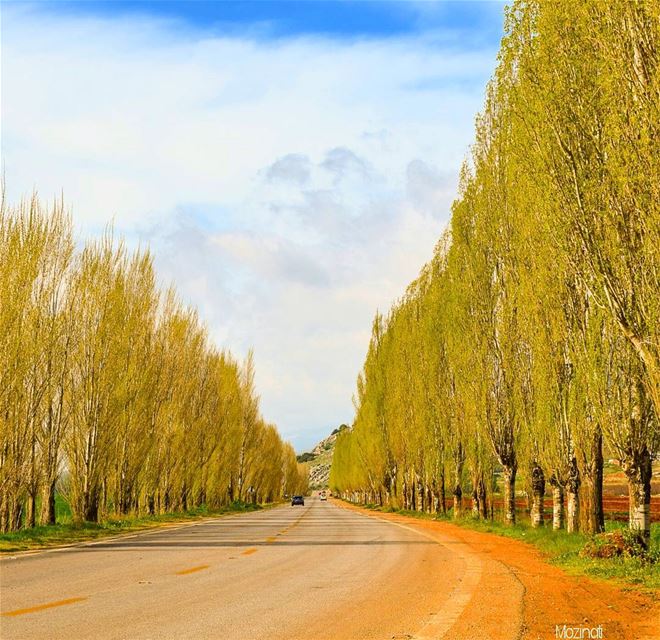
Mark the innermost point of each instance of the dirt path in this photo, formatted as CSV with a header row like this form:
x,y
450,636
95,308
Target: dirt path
x,y
516,594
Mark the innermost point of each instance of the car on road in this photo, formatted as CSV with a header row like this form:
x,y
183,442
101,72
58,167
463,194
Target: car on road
x,y
297,500
323,495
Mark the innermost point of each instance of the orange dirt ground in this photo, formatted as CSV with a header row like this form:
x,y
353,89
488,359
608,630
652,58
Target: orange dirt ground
x,y
518,595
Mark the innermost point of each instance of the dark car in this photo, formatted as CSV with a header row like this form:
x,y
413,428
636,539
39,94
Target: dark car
x,y
297,500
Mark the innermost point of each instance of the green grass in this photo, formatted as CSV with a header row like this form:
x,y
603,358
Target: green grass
x,y
68,532
62,509
563,549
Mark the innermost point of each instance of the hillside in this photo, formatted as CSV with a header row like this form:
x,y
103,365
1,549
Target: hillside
x,y
319,460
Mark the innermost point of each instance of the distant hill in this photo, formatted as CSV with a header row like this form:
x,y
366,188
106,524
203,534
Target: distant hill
x,y
319,460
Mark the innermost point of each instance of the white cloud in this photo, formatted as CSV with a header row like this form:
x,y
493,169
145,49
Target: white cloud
x,y
293,167
288,187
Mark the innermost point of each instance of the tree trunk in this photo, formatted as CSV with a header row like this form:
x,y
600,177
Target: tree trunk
x,y
599,512
479,506
639,491
48,503
538,493
598,502
557,504
91,513
458,497
572,511
443,496
459,461
390,487
573,502
509,494
31,515
481,495
12,515
4,513
125,500
102,501
90,503
475,502
593,520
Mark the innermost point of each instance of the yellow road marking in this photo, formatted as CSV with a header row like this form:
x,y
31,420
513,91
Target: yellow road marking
x,y
270,539
248,552
41,607
185,572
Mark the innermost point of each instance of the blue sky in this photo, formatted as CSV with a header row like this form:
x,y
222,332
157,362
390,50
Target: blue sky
x,y
291,165
474,21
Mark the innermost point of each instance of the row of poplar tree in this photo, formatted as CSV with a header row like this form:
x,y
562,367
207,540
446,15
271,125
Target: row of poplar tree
x,y
529,346
111,392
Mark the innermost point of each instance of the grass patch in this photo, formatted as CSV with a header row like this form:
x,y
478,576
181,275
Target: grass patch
x,y
69,532
563,549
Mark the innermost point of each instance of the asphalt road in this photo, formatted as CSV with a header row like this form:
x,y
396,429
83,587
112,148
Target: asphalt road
x,y
318,571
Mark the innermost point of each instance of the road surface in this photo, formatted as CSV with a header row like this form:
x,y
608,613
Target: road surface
x,y
318,571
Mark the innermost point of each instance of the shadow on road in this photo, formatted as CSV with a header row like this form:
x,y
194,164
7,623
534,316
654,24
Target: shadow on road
x,y
186,544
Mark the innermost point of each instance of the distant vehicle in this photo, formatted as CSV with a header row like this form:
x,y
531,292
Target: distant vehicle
x,y
323,495
297,500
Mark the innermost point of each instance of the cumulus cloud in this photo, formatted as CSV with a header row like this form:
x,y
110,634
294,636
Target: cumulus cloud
x,y
294,167
288,187
343,162
273,259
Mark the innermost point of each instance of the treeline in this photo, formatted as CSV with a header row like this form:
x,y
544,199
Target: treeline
x,y
529,346
111,392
